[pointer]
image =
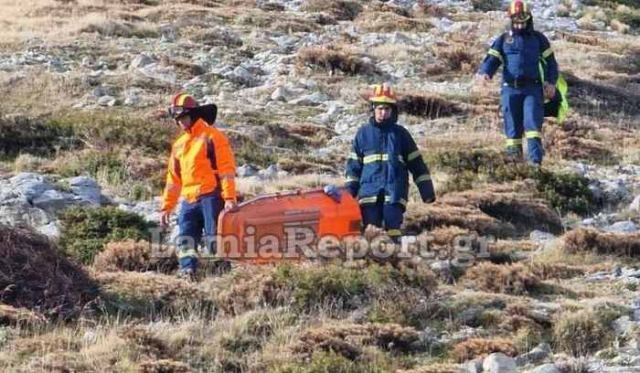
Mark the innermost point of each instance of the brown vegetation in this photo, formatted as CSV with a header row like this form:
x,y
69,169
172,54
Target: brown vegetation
x,y
588,240
137,256
33,275
480,347
509,279
428,106
333,59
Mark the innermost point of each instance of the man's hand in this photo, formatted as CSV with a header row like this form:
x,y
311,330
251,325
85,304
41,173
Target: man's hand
x,y
229,204
483,78
165,219
549,90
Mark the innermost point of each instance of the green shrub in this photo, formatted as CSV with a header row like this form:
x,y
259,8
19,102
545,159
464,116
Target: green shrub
x,y
486,5
567,192
326,362
85,230
346,288
21,135
112,131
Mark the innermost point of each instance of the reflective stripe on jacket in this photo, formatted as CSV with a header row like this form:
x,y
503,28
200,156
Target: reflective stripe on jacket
x,y
381,157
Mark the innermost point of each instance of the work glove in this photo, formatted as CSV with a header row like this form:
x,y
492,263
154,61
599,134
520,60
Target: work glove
x,y
427,192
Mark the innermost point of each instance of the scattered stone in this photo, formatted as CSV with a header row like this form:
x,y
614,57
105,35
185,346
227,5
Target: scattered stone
x,y
536,355
87,189
499,363
623,227
107,101
246,171
635,205
540,236
546,368
141,60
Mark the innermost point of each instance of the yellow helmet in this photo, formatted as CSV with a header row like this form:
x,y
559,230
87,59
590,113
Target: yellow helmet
x,y
383,94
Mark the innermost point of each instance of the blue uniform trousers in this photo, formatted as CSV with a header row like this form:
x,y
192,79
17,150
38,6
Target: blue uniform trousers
x,y
523,111
193,219
384,215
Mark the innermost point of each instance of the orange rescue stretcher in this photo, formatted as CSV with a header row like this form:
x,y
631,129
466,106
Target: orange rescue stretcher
x,y
284,226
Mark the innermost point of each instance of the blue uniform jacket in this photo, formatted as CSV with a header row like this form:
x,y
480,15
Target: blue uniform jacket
x,y
521,54
381,156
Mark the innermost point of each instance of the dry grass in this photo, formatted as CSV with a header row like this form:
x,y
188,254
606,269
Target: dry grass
x,y
480,347
514,279
580,333
434,368
376,21
151,295
339,9
587,240
19,316
134,256
499,213
349,339
334,59
548,271
577,141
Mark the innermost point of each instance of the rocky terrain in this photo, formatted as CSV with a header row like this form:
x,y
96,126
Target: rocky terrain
x,y
83,148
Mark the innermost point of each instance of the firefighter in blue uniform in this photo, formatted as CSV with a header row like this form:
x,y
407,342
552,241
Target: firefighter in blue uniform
x,y
529,75
383,153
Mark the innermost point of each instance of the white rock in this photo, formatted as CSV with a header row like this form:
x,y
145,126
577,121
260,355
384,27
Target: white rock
x,y
635,205
246,171
107,101
87,189
53,200
623,227
313,99
51,230
499,363
540,236
141,60
281,94
546,368
472,366
624,326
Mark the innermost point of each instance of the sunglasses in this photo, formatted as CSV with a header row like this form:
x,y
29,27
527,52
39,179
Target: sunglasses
x,y
177,111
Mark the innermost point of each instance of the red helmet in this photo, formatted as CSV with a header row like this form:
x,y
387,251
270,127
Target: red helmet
x,y
181,104
519,11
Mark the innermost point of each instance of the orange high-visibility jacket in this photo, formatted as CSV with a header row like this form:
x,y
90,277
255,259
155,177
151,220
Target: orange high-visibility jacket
x,y
201,161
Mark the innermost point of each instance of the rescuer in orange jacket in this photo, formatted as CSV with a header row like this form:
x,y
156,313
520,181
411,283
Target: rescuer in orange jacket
x,y
201,170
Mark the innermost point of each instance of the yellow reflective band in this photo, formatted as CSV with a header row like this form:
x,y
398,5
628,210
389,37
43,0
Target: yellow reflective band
x,y
513,142
547,53
496,54
413,155
379,158
186,253
394,232
351,179
422,178
354,156
532,134
368,200
375,158
403,202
